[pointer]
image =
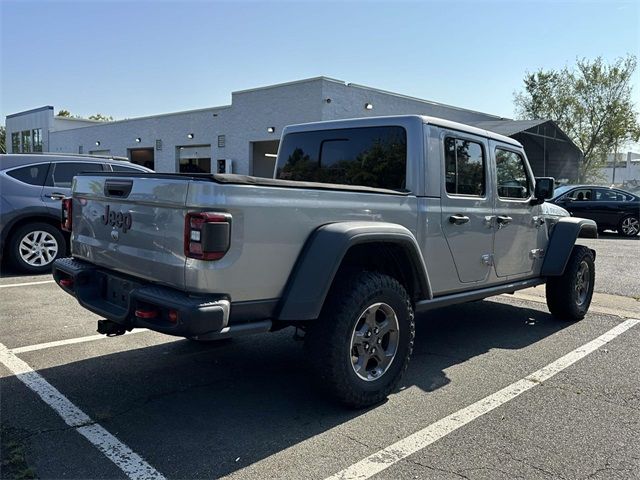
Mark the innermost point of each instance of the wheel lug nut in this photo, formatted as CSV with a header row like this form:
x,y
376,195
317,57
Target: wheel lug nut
x,y
376,330
379,341
373,350
366,346
368,334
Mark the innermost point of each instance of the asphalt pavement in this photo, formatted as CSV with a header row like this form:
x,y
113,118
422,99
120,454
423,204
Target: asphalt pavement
x,y
248,408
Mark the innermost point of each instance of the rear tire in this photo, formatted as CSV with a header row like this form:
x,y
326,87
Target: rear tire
x,y
629,226
33,247
360,346
569,295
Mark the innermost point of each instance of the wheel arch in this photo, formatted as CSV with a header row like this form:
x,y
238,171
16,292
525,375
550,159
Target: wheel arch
x,y
24,219
386,247
562,240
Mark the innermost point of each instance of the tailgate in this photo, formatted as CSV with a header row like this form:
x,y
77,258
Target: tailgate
x,y
132,224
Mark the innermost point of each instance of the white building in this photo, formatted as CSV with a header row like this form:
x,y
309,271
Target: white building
x,y
244,135
626,171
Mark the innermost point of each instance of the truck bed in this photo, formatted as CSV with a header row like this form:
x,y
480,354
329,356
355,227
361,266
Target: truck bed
x,y
270,223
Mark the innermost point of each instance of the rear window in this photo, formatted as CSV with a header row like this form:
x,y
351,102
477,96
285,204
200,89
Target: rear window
x,y
31,174
368,156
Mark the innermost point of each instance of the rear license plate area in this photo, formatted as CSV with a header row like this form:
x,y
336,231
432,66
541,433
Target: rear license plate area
x,y
116,291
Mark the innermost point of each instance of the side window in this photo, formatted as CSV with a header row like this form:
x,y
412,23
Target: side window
x,y
31,174
64,172
512,175
124,168
464,167
580,194
606,195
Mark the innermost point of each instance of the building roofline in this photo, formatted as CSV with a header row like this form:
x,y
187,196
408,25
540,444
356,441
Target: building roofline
x,y
147,117
74,119
422,100
33,110
286,84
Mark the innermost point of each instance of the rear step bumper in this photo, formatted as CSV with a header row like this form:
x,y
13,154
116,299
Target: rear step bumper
x,y
133,303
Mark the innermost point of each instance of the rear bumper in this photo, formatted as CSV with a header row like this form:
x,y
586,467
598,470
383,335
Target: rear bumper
x,y
133,303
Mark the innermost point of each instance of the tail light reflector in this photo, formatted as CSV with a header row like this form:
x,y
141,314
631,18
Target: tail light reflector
x,y
146,313
207,235
67,210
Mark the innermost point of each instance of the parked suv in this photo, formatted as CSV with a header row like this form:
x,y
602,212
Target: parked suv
x,y
32,187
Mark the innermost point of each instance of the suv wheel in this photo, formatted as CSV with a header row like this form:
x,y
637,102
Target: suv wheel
x,y
34,247
569,295
361,344
629,226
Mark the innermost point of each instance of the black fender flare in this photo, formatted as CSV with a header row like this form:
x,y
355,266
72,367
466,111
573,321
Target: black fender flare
x,y
322,255
561,241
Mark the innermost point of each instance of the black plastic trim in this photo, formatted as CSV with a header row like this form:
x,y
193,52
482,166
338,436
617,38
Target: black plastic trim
x,y
196,315
479,294
563,238
322,256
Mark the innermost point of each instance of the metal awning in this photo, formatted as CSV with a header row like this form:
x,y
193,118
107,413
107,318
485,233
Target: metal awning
x,y
550,151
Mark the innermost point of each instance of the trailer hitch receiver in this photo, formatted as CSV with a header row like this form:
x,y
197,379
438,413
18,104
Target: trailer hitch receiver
x,y
111,329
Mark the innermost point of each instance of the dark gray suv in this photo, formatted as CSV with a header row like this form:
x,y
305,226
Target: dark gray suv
x,y
31,189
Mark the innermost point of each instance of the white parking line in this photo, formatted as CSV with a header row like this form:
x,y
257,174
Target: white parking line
x,y
132,464
26,284
392,454
69,341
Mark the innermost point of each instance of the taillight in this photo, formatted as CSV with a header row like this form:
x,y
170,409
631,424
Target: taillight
x,y
67,210
207,235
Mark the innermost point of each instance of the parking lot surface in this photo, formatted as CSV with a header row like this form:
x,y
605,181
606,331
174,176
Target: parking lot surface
x,y
248,409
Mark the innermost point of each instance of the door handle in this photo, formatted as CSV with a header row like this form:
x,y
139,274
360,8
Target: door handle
x,y
503,220
56,196
458,219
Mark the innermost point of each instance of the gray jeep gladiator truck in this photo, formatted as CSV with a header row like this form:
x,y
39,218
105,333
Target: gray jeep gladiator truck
x,y
365,223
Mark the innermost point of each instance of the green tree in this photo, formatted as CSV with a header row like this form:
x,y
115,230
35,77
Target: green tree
x,y
101,118
591,102
3,139
97,116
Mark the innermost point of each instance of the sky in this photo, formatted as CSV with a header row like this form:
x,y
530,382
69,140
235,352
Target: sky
x,y
128,59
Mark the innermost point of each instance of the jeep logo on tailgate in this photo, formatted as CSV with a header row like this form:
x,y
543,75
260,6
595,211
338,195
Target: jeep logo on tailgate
x,y
117,219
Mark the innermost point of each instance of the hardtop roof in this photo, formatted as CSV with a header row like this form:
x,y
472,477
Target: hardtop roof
x,y
386,120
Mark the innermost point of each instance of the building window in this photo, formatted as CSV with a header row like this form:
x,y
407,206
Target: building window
x,y
26,141
464,167
15,142
80,149
37,139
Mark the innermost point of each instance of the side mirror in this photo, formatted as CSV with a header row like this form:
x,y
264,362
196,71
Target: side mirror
x,y
544,188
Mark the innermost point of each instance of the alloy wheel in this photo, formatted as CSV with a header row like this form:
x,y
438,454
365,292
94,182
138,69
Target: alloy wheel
x,y
630,226
583,281
374,341
38,248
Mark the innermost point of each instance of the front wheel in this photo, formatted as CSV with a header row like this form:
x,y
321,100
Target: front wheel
x,y
362,342
629,226
569,295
